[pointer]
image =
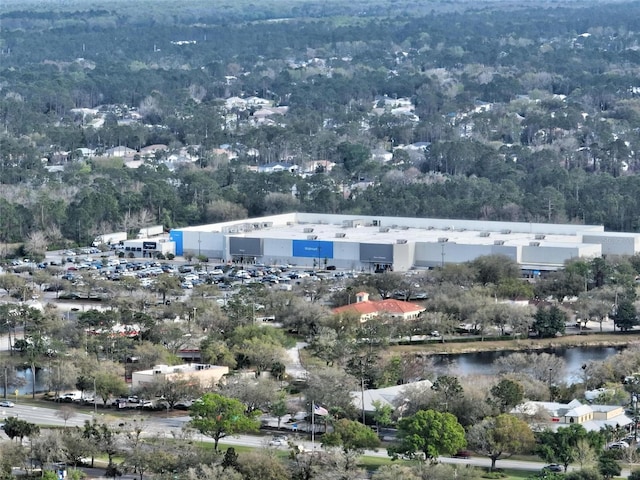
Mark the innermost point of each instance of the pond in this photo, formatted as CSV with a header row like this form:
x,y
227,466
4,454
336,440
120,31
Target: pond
x,y
482,363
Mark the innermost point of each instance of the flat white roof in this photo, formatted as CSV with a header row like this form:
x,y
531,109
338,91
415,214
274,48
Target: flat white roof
x,y
388,230
370,234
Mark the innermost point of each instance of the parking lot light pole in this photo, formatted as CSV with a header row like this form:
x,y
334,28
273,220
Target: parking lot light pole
x,y
634,398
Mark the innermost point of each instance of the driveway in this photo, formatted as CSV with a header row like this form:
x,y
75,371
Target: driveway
x,y
293,365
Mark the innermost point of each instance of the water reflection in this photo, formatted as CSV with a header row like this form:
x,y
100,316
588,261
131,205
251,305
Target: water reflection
x,y
482,363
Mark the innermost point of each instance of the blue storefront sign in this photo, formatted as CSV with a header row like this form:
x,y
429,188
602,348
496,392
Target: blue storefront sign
x,y
176,236
312,249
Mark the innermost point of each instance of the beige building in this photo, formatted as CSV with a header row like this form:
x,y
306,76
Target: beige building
x,y
206,375
592,417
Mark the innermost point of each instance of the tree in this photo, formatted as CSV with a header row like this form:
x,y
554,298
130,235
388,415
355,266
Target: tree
x,y
262,465
635,475
448,390
11,454
430,433
501,437
262,353
507,394
218,416
46,447
381,414
104,439
608,465
173,389
17,428
495,269
65,413
109,384
439,471
561,446
33,349
587,474
166,284
75,447
332,387
254,393
279,407
626,316
351,436
548,322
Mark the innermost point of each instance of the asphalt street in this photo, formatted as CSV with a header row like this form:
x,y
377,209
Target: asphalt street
x,y
174,427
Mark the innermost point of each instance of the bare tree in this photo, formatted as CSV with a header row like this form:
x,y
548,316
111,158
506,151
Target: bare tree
x,y
36,244
66,413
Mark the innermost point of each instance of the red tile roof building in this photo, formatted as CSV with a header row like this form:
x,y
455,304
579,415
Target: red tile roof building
x,y
390,307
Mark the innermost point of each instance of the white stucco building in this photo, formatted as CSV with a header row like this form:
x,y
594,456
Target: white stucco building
x,y
207,375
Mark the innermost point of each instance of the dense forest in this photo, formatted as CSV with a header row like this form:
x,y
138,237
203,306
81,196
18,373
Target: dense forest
x,y
479,110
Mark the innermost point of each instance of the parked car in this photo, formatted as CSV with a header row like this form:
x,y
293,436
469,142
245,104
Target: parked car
x,y
279,441
462,454
618,445
553,467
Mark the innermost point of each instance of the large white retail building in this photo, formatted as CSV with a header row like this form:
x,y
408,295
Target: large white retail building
x,y
373,243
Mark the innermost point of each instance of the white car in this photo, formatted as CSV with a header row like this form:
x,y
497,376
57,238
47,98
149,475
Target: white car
x,y
279,442
7,404
618,445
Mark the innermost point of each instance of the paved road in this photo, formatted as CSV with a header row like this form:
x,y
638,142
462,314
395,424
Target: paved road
x,y
44,415
172,427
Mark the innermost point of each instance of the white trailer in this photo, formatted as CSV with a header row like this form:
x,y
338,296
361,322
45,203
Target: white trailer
x,y
110,238
147,232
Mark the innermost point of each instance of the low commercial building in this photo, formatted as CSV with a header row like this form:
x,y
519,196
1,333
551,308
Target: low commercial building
x,y
207,375
148,247
554,415
377,244
388,396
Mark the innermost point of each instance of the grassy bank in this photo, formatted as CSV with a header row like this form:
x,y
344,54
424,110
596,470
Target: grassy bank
x,y
488,345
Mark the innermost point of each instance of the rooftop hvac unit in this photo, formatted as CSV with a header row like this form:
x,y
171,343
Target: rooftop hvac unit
x,y
506,231
341,235
534,244
312,237
384,229
540,236
499,242
401,241
308,230
443,240
485,234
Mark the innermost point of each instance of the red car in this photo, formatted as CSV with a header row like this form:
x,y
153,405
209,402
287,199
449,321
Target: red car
x,y
462,454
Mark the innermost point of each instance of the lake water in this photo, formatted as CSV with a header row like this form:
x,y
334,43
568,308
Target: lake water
x,y
481,363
